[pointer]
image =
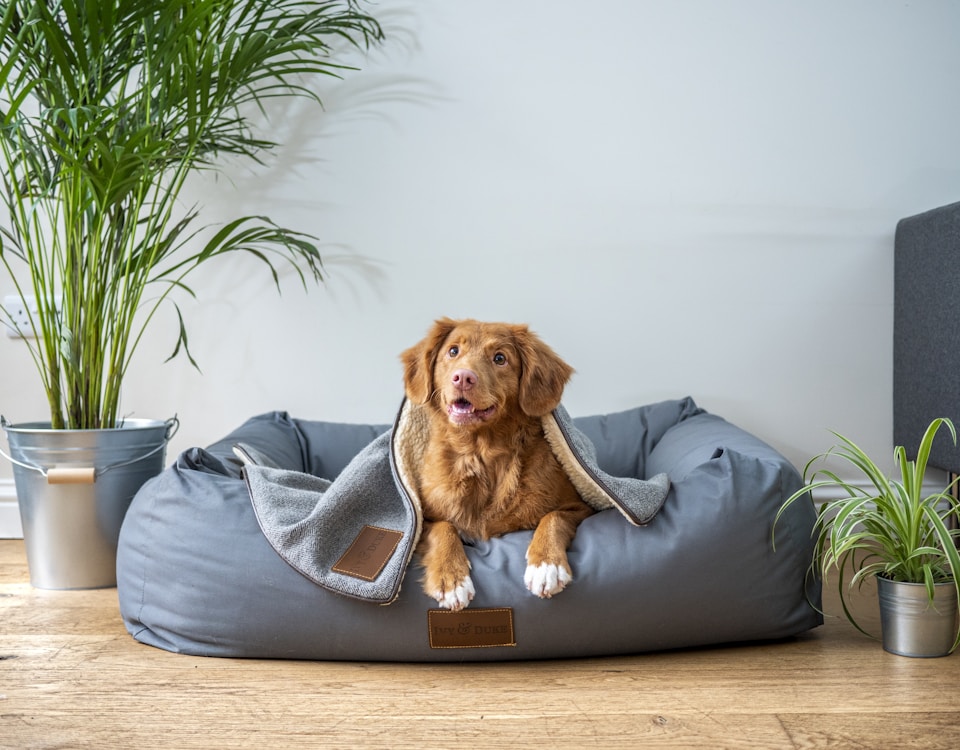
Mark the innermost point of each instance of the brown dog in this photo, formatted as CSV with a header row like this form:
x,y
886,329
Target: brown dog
x,y
488,468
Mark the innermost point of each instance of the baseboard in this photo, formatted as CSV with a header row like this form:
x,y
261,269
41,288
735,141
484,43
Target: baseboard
x,y
10,527
822,495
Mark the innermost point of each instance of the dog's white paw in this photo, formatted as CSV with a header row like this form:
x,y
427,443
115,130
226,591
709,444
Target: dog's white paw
x,y
546,579
458,597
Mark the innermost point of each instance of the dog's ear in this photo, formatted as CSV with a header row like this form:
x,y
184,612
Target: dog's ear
x,y
542,374
419,360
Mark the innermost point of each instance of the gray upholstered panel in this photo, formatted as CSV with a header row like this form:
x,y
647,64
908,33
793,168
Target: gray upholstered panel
x,y
926,330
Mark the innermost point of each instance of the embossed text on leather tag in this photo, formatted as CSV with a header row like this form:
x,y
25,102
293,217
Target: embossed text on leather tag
x,y
471,628
369,552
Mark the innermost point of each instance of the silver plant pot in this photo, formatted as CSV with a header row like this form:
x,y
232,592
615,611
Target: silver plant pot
x,y
74,488
911,624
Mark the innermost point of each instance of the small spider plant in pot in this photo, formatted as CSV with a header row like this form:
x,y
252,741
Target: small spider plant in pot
x,y
890,529
107,108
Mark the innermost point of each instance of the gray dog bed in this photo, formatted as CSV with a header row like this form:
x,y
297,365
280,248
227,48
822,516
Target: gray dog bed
x,y
197,574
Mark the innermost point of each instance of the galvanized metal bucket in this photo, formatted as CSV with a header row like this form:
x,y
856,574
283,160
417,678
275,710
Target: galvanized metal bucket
x,y
74,488
911,624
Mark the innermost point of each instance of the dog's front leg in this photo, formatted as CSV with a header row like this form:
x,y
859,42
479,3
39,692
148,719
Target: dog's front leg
x,y
446,575
548,571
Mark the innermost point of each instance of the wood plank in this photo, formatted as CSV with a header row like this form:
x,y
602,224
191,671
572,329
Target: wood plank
x,y
70,676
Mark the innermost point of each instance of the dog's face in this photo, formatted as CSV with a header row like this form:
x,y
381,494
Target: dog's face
x,y
475,373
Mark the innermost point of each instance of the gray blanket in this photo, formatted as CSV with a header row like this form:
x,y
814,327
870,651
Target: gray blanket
x,y
355,535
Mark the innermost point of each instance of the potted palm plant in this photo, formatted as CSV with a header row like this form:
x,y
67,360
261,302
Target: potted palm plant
x,y
106,109
891,530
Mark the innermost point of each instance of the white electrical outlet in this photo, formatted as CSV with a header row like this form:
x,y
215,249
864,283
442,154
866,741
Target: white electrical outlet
x,y
17,320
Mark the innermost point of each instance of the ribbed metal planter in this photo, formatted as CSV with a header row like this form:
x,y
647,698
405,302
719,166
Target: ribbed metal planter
x,y
74,488
911,624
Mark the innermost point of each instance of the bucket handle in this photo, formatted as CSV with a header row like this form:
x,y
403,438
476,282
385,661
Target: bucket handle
x,y
88,475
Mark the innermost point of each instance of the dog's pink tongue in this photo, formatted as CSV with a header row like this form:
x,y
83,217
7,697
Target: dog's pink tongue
x,y
461,406
462,411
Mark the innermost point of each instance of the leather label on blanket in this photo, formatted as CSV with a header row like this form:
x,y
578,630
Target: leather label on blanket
x,y
369,552
471,628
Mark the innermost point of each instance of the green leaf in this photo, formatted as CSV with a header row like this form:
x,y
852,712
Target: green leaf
x,y
893,530
106,109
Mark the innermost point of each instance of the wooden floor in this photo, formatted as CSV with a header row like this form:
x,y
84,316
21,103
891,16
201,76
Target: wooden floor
x,y
71,677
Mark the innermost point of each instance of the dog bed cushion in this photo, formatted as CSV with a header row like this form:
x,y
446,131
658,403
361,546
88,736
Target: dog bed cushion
x,y
197,575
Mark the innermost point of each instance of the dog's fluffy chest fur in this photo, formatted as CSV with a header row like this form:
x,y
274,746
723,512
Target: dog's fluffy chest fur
x,y
487,488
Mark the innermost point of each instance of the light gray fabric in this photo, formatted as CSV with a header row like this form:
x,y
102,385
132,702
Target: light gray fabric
x,y
311,522
196,575
638,500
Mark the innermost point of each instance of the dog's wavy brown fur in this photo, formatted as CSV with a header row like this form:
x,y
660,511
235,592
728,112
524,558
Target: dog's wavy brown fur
x,y
488,468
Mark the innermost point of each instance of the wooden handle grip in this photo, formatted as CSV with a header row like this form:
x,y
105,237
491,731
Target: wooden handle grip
x,y
71,476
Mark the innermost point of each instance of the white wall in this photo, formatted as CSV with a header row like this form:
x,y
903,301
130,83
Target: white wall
x,y
681,196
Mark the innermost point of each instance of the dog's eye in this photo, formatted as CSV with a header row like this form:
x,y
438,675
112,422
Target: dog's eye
x,y
499,359
453,351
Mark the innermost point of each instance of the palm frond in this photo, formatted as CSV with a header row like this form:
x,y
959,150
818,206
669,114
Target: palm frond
x,y
106,108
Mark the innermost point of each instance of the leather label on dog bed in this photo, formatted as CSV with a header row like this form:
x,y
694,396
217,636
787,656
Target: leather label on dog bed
x,y
471,628
369,552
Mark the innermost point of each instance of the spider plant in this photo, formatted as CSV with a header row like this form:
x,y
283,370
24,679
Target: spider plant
x,y
106,108
883,526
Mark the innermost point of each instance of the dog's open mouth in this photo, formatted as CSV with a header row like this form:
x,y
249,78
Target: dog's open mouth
x,y
462,411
